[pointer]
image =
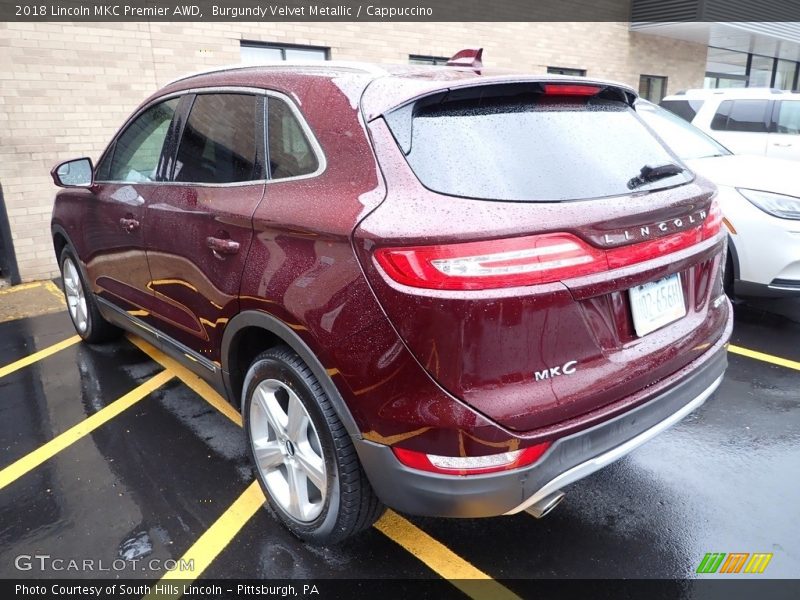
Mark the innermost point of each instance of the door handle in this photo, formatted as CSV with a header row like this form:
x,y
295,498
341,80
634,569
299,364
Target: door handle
x,y
780,145
129,225
222,246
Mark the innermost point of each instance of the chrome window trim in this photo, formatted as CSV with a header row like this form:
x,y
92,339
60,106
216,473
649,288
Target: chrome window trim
x,y
322,162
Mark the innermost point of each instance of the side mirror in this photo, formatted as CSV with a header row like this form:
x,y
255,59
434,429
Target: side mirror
x,y
74,173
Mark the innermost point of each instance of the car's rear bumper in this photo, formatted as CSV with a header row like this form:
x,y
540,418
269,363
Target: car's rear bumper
x,y
569,458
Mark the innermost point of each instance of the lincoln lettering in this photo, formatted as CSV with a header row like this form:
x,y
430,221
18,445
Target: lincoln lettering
x,y
647,231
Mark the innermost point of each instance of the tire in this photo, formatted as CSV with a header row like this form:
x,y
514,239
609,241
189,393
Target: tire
x,y
727,278
81,304
307,465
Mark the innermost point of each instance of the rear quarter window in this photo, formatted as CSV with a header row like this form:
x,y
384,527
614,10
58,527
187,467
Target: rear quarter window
x,y
685,109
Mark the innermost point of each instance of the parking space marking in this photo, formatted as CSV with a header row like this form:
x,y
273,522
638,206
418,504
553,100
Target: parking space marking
x,y
70,436
21,288
775,360
192,381
55,290
218,536
37,356
438,557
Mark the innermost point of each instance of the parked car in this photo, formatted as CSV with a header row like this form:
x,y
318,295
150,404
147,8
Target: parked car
x,y
452,291
760,121
759,197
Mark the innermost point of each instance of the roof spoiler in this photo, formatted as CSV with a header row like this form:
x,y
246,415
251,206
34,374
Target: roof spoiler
x,y
468,57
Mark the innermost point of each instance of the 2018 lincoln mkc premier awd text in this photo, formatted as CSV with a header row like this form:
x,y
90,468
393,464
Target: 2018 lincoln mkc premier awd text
x,y
448,290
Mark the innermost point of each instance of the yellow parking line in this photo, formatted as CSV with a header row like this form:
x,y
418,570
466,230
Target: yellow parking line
x,y
219,535
438,557
775,360
55,290
34,459
21,287
36,356
195,383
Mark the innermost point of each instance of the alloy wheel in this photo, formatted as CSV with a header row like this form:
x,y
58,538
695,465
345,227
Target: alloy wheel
x,y
76,297
287,450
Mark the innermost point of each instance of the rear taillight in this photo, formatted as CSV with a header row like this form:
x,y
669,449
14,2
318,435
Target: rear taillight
x,y
470,465
713,222
526,260
492,264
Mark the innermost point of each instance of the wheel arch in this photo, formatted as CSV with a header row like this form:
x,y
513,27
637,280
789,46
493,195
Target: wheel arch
x,y
277,332
60,240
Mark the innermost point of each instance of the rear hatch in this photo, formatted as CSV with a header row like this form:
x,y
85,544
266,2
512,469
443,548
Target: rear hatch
x,y
518,217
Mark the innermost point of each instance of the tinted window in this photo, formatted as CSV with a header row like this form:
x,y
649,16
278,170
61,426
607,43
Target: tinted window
x,y
219,140
528,147
137,151
685,109
742,115
788,117
720,120
290,153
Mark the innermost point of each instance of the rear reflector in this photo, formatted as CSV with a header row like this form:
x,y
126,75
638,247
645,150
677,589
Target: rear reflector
x,y
564,89
526,260
470,465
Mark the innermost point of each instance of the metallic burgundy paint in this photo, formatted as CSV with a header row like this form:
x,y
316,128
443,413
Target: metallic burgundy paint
x,y
444,372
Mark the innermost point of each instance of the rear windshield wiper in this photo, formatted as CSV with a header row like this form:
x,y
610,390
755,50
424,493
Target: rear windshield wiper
x,y
651,173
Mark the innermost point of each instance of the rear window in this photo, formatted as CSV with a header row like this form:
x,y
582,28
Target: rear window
x,y
528,147
741,115
685,109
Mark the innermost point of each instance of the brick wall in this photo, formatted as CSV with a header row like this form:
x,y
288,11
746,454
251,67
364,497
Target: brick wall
x,y
66,88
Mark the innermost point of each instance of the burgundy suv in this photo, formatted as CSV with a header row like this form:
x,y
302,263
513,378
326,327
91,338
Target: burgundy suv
x,y
452,291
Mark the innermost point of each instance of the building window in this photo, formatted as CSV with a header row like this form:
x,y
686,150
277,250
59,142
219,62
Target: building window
x,y
566,71
729,68
259,52
652,87
421,59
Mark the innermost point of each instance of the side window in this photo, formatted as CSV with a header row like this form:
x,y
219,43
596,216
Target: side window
x,y
788,120
720,120
744,115
290,153
137,150
218,144
685,109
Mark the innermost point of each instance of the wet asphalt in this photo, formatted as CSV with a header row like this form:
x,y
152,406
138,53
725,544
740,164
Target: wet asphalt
x,y
149,482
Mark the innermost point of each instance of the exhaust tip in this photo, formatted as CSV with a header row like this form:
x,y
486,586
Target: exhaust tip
x,y
545,505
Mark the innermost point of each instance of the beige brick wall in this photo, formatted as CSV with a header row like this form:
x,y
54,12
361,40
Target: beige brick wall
x,y
65,88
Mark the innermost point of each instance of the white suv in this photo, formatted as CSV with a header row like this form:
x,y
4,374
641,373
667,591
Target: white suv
x,y
759,197
747,120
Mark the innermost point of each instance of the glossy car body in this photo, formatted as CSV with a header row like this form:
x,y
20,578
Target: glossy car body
x,y
764,248
445,372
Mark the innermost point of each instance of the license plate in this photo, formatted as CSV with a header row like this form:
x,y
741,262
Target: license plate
x,y
656,303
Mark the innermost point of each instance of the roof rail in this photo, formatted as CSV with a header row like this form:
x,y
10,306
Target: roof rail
x,y
284,64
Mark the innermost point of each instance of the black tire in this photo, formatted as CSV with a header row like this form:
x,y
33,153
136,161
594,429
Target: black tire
x,y
349,505
727,278
96,329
